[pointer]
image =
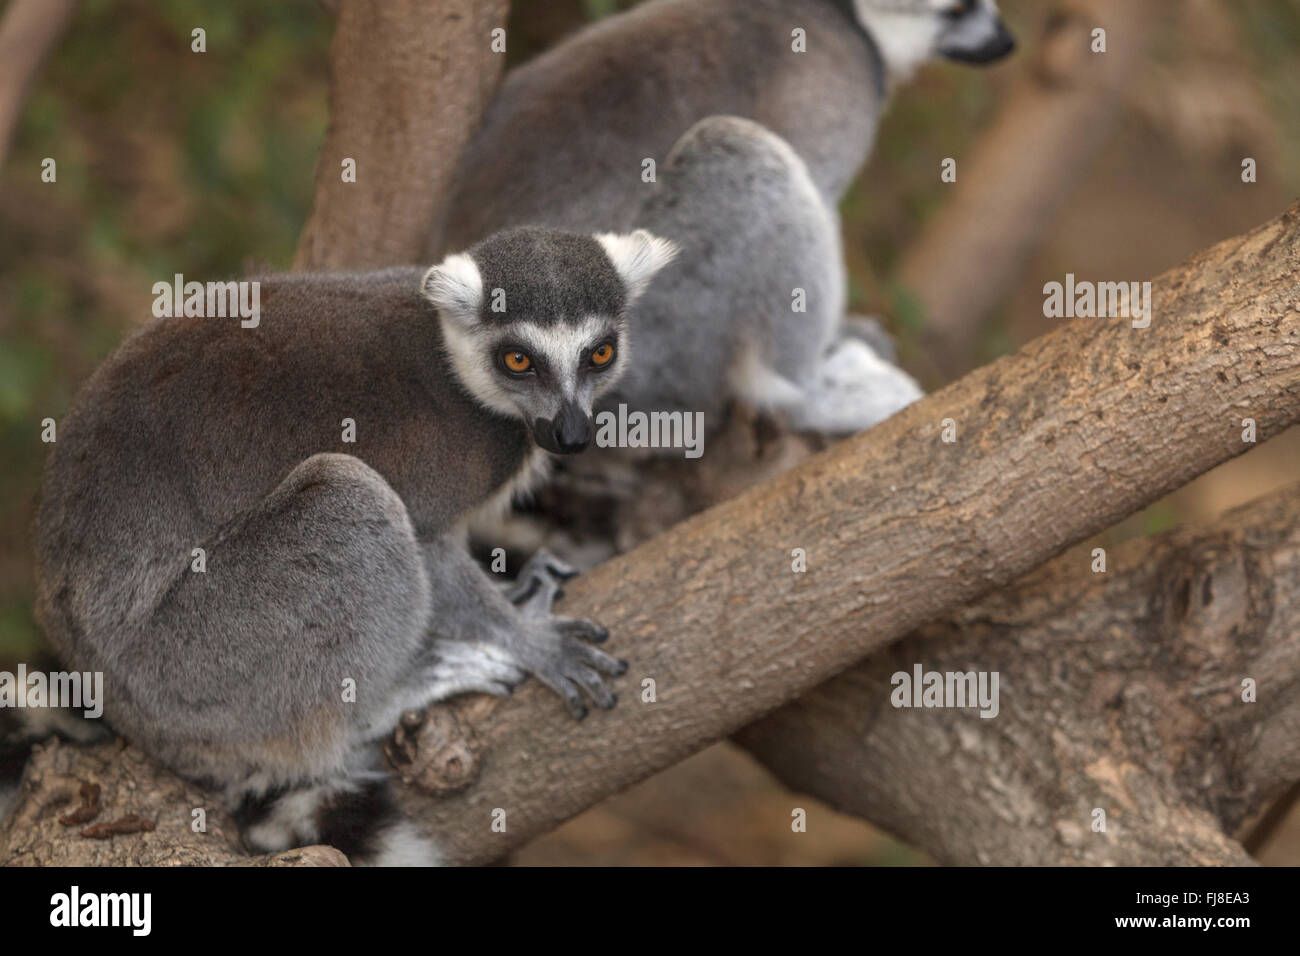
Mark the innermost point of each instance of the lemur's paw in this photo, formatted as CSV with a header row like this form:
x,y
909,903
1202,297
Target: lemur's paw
x,y
559,655
540,583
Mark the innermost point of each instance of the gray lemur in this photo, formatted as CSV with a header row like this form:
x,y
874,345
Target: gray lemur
x,y
755,218
333,589
563,141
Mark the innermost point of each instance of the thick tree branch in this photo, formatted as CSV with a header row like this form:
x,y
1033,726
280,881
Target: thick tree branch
x,y
1119,690
409,80
116,787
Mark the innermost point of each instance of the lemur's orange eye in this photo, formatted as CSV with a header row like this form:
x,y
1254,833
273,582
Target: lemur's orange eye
x,y
517,361
602,355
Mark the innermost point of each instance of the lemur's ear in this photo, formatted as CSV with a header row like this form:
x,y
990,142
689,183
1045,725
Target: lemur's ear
x,y
455,286
637,257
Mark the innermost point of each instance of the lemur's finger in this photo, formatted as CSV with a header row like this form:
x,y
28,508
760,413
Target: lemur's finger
x,y
594,685
543,563
544,570
581,627
600,660
522,589
543,597
566,689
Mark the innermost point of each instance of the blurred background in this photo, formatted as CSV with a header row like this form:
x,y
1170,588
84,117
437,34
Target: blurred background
x,y
171,162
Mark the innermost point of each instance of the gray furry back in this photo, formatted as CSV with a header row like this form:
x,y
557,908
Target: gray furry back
x,y
564,141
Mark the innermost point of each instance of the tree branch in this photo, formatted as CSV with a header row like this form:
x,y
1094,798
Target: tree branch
x,y
1120,691
114,783
409,80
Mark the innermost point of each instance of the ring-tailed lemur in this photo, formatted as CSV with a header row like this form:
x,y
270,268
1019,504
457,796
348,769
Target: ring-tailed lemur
x,y
629,86
264,598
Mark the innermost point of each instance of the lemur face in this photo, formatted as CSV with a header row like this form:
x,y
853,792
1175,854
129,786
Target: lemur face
x,y
909,32
534,322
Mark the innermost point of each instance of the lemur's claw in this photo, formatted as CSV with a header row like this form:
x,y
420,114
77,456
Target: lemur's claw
x,y
562,659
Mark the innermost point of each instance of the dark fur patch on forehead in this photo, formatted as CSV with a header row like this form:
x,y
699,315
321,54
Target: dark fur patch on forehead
x,y
548,276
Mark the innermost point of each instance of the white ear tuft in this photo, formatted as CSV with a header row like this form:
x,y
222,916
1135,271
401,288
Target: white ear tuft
x,y
455,286
637,257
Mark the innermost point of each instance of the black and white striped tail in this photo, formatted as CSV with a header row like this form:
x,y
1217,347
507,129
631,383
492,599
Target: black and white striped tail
x,y
355,815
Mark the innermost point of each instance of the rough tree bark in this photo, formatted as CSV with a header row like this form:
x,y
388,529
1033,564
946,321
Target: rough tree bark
x,y
1021,170
68,790
1119,690
409,80
1077,430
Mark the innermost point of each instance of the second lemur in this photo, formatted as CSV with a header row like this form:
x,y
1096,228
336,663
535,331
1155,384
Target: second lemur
x,y
629,86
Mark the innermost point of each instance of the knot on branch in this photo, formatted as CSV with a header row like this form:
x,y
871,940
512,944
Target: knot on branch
x,y
1215,604
435,751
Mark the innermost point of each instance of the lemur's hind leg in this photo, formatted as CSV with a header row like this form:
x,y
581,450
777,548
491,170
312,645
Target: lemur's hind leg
x,y
283,655
758,291
494,642
313,603
852,389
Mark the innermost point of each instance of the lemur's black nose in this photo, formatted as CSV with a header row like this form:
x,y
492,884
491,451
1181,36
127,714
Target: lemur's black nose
x,y
566,434
572,431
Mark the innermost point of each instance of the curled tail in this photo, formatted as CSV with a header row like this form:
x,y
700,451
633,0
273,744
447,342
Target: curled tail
x,y
356,815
